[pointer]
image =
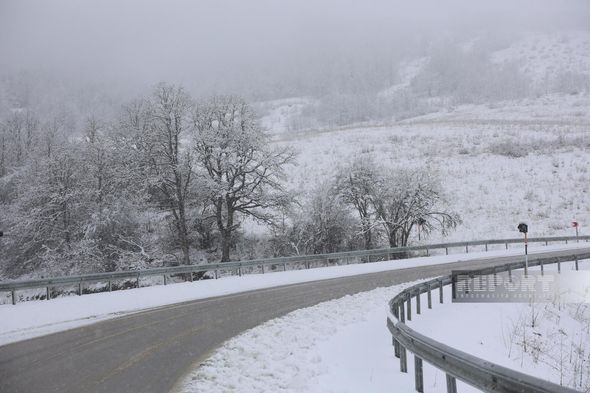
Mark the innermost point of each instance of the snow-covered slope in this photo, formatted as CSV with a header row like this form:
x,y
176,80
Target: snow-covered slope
x,y
541,56
525,160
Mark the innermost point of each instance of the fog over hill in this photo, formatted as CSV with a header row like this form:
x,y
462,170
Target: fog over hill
x,y
262,49
96,97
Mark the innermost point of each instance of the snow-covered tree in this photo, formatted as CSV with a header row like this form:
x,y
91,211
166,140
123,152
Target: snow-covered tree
x,y
158,129
243,172
357,184
407,198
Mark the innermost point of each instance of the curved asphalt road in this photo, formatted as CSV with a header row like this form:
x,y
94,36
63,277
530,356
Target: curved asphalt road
x,y
149,351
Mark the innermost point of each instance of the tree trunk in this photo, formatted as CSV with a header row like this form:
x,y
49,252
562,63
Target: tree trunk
x,y
368,236
226,234
392,239
183,236
225,245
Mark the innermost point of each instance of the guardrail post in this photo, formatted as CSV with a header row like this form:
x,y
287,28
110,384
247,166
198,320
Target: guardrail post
x,y
137,281
427,252
509,273
110,286
418,303
429,297
576,262
402,313
395,347
440,291
546,242
216,274
486,247
409,304
284,267
506,245
495,276
451,384
13,295
79,289
467,249
446,250
262,266
418,374
565,241
165,280
48,296
239,271
403,359
542,268
558,266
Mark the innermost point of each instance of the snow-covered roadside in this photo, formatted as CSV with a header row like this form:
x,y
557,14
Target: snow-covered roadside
x,y
556,348
308,351
36,318
343,346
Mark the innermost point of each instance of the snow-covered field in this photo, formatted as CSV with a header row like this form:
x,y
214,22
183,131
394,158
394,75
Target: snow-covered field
x,y
36,318
549,341
500,162
540,55
344,346
497,167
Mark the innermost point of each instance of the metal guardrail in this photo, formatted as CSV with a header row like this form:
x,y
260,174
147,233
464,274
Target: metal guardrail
x,y
307,260
481,374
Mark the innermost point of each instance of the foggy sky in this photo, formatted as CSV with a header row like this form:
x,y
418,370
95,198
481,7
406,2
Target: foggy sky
x,y
220,44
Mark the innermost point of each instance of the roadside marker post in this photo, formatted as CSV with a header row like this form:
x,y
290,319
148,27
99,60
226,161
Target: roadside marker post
x,y
575,224
524,228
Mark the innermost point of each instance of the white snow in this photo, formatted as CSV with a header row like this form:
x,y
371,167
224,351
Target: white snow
x,y
336,346
344,346
542,55
35,318
494,331
496,165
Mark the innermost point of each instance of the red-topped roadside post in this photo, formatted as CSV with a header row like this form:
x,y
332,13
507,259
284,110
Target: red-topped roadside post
x,y
576,225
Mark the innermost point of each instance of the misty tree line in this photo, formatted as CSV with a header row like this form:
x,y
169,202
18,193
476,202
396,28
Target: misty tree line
x,y
450,75
365,206
172,180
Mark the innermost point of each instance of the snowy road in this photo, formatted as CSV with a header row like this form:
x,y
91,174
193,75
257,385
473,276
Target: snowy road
x,y
151,350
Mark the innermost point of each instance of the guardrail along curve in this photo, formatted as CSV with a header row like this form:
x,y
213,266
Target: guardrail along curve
x,y
479,373
307,260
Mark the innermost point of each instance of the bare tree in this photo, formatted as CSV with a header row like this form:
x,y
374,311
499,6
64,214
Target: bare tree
x,y
45,217
243,173
410,197
357,184
158,128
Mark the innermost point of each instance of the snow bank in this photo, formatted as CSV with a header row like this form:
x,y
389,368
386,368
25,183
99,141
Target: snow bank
x,y
304,351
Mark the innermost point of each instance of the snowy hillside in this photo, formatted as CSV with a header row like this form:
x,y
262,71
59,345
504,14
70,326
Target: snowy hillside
x,y
532,72
545,56
518,161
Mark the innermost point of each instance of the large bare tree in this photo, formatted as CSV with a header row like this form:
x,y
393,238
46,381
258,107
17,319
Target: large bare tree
x,y
356,184
243,172
407,198
158,128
